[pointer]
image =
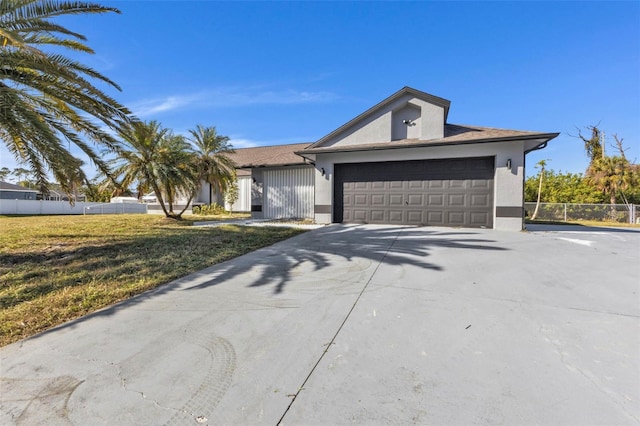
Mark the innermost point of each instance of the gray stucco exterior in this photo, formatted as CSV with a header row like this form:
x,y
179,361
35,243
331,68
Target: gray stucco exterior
x,y
411,125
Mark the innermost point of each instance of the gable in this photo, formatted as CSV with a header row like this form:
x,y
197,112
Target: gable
x,y
407,114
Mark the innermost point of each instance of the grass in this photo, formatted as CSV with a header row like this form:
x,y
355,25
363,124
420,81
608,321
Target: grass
x,y
57,268
595,223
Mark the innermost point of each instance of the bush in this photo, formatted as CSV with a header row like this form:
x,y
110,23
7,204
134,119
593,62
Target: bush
x,y
209,210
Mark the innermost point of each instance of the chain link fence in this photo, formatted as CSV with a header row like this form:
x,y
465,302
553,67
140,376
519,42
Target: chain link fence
x,y
565,212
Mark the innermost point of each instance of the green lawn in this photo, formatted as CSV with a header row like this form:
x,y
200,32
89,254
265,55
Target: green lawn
x,y
56,268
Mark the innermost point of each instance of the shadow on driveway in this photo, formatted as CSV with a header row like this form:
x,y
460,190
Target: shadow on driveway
x,y
334,246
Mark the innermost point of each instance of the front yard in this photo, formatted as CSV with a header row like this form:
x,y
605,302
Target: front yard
x,y
57,268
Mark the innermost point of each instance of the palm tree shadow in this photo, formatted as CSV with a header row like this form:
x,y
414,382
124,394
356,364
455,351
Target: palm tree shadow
x,y
319,256
317,252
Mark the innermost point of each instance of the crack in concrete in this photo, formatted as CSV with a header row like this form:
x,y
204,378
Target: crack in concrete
x,y
330,343
123,384
573,367
519,302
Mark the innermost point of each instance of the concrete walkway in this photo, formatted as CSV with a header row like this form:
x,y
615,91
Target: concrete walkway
x,y
357,324
259,223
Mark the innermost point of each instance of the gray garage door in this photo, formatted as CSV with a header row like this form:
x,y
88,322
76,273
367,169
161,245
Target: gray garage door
x,y
452,192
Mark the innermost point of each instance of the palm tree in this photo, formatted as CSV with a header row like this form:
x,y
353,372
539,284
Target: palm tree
x,y
47,100
542,164
611,175
212,159
153,158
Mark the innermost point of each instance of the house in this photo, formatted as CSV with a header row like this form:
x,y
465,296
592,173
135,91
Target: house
x,y
56,194
399,162
276,162
9,191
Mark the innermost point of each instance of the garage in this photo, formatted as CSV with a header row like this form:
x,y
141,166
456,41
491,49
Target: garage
x,y
401,162
444,192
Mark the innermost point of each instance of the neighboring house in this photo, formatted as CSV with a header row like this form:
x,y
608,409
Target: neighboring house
x,y
399,162
131,200
9,191
58,195
149,198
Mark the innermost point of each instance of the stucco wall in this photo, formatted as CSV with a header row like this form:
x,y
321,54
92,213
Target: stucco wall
x,y
386,124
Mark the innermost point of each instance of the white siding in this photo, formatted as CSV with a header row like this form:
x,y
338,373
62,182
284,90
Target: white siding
x,y
288,193
243,204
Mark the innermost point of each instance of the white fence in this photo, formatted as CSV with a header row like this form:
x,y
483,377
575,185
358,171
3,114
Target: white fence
x,y
622,213
37,207
116,208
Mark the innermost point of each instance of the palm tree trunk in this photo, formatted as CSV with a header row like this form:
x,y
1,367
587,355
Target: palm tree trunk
x,y
535,212
158,193
170,199
185,207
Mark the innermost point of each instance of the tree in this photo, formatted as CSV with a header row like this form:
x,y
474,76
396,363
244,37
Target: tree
x,y
97,191
4,173
231,194
153,158
593,145
47,100
180,174
612,175
562,187
212,159
22,174
541,164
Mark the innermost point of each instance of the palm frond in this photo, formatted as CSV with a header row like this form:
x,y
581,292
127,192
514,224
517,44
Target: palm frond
x,y
47,100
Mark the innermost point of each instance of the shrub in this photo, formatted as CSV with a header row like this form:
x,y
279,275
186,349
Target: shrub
x,y
209,210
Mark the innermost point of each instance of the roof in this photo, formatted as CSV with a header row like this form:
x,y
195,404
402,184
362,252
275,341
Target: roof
x,y
263,156
435,100
6,186
453,135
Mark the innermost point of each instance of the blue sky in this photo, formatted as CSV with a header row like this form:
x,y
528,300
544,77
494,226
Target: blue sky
x,y
281,72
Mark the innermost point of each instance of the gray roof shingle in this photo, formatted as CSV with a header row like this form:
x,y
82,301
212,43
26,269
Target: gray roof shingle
x,y
6,186
263,156
454,134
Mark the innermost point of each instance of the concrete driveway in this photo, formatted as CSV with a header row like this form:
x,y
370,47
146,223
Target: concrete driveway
x,y
358,324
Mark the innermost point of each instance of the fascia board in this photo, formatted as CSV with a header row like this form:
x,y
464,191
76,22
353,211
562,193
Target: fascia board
x,y
542,137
